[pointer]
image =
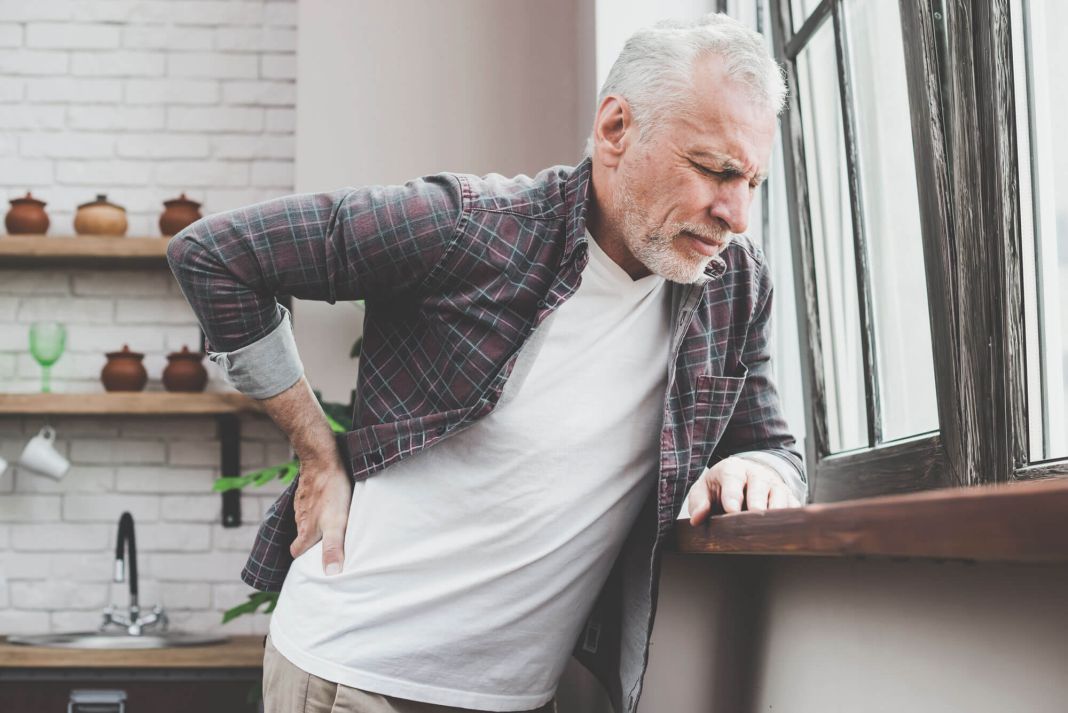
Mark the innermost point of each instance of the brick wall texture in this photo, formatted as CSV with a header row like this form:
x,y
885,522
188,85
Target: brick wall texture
x,y
141,101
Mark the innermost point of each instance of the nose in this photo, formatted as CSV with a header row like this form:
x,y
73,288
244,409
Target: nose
x,y
730,204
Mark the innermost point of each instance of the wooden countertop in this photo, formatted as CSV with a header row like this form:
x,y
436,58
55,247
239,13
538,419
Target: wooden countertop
x,y
245,651
1016,522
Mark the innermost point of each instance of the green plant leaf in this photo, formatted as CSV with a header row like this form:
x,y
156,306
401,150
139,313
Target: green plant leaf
x,y
255,601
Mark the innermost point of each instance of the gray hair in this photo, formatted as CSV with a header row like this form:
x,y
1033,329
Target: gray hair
x,y
654,72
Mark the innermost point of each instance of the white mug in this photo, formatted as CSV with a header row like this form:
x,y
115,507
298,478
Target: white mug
x,y
40,455
3,466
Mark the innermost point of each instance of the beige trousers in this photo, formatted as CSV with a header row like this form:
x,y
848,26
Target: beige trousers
x,y
289,689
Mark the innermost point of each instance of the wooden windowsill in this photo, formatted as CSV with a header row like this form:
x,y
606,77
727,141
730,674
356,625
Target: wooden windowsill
x,y
1016,522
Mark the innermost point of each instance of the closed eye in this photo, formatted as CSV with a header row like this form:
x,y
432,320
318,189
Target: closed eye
x,y
727,174
709,172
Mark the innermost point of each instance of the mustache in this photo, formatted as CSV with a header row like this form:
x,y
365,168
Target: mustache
x,y
702,231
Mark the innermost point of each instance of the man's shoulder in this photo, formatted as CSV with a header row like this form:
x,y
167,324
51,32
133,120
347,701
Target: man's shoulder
x,y
539,197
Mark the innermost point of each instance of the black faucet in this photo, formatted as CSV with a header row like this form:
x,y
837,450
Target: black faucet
x,y
126,559
125,541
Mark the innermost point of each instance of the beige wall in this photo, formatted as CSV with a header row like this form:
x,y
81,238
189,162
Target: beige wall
x,y
393,89
822,635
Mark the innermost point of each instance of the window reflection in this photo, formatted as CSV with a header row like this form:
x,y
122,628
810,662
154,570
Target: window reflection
x,y
801,10
832,235
887,176
1041,83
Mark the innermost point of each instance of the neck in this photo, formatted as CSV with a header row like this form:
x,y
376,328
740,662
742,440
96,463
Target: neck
x,y
605,225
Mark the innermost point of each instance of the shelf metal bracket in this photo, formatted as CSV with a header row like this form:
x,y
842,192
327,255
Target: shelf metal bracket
x,y
230,442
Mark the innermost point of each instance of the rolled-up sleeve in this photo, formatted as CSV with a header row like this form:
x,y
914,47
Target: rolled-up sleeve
x,y
370,243
267,366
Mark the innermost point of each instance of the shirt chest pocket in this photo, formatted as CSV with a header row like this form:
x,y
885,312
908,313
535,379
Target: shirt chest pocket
x,y
713,407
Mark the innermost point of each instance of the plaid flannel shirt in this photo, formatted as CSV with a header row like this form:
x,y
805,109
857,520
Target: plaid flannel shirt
x,y
456,271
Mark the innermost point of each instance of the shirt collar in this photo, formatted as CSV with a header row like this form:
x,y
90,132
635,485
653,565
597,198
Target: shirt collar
x,y
577,195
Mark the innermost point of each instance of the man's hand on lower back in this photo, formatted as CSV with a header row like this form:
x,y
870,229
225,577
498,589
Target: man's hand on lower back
x,y
324,490
734,482
322,512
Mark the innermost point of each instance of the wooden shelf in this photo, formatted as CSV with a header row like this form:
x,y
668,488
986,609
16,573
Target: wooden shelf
x,y
1016,522
83,250
241,651
142,403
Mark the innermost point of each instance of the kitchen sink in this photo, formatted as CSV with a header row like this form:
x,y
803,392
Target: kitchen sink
x,y
119,640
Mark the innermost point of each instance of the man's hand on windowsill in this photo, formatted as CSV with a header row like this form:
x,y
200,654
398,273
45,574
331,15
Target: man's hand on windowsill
x,y
736,484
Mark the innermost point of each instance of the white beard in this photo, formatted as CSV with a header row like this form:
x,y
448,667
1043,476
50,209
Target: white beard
x,y
657,249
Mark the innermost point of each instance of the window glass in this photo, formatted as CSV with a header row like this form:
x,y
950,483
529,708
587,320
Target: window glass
x,y
1041,82
887,176
769,227
801,10
832,235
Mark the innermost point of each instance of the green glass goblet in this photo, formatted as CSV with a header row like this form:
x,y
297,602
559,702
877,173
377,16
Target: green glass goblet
x,y
47,342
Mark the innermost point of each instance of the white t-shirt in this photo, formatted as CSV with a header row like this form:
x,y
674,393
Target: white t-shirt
x,y
471,566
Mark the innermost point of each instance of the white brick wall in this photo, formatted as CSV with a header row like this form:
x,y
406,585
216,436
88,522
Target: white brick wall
x,y
57,535
139,100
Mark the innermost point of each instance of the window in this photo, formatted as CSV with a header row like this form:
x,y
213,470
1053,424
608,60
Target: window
x,y
928,209
1039,58
857,224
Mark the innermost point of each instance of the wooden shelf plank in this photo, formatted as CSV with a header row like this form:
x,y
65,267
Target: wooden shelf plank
x,y
126,403
241,651
1016,522
89,250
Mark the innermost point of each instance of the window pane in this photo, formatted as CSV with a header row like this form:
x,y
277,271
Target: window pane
x,y
769,226
891,219
801,10
1041,82
832,236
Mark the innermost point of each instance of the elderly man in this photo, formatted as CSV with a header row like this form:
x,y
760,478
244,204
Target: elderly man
x,y
587,353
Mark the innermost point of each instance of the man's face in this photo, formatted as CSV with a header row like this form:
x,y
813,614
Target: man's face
x,y
680,192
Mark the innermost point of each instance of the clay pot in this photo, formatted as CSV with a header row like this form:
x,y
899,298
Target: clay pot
x,y
100,217
184,371
124,371
27,216
180,213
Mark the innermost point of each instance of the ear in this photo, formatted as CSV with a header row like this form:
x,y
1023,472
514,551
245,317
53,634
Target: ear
x,y
613,129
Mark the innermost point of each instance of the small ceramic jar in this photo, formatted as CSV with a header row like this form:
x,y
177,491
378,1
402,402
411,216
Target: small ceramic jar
x,y
184,371
124,371
179,213
27,216
100,217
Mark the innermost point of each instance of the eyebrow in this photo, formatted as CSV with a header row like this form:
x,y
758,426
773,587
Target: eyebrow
x,y
728,165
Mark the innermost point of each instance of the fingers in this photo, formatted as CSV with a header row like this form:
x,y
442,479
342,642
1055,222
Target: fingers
x,y
333,549
732,484
307,531
699,500
779,497
321,507
757,493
